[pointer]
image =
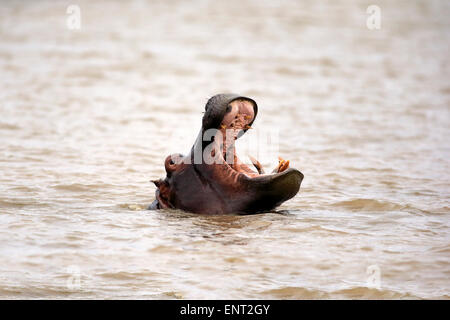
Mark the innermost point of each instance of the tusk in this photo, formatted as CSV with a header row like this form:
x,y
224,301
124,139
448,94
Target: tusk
x,y
257,165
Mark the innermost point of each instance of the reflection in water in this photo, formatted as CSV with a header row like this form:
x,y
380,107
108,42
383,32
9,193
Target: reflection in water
x,y
88,117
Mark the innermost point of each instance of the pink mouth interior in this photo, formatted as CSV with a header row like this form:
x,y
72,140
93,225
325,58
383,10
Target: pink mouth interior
x,y
240,113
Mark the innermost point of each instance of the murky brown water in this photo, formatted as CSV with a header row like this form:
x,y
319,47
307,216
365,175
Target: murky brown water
x,y
88,117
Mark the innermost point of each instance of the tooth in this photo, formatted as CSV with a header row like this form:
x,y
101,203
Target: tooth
x,y
257,165
284,166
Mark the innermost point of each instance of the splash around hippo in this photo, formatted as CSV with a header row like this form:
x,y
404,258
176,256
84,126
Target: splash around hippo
x,y
211,179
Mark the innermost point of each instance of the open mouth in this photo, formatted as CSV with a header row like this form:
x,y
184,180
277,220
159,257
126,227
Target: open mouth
x,y
240,114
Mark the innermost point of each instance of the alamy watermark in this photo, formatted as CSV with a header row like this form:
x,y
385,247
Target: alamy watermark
x,y
373,21
74,280
374,277
73,21
218,146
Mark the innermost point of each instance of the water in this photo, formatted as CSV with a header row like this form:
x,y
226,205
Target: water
x,y
88,117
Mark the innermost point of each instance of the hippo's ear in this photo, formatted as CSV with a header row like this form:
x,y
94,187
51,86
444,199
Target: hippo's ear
x,y
157,182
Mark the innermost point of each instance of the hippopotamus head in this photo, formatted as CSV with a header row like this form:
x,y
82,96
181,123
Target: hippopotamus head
x,y
211,179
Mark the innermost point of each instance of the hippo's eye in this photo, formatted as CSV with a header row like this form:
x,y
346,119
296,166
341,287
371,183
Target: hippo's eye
x,y
228,109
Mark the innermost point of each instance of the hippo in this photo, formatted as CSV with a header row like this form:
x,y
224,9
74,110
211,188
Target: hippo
x,y
211,179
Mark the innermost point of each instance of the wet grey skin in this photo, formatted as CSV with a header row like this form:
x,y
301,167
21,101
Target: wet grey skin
x,y
220,188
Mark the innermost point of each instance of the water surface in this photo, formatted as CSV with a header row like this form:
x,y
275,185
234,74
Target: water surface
x,y
88,117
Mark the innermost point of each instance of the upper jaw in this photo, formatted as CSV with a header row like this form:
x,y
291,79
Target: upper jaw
x,y
240,114
217,108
